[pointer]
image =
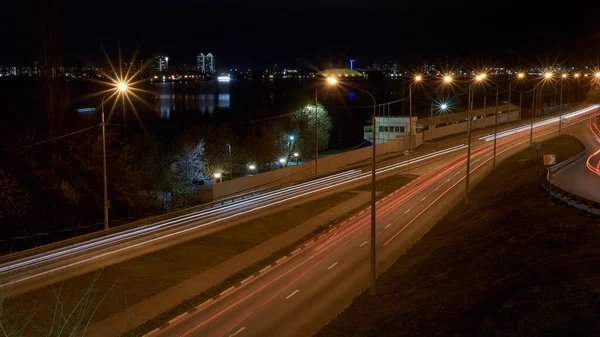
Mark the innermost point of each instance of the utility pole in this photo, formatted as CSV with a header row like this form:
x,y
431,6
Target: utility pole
x,y
104,166
469,121
496,125
373,219
431,126
509,108
560,107
533,98
410,107
316,132
520,104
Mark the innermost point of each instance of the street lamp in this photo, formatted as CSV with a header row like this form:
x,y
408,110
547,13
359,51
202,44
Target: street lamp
x,y
217,176
562,82
331,81
547,76
121,87
292,137
576,75
252,167
296,155
444,107
417,79
373,187
520,75
471,94
481,78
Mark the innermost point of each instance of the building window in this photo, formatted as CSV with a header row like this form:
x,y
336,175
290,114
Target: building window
x,y
387,129
402,129
380,128
397,129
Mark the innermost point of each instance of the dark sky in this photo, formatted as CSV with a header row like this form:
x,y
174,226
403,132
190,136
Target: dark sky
x,y
298,33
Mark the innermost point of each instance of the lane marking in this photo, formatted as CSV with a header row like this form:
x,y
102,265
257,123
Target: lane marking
x,y
423,198
448,179
333,265
237,332
292,294
437,188
408,210
388,225
364,243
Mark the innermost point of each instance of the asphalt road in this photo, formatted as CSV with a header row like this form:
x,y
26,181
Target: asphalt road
x,y
578,179
36,271
300,294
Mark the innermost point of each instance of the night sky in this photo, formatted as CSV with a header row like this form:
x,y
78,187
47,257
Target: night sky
x,y
300,33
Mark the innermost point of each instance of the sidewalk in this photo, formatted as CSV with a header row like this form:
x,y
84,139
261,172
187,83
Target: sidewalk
x,y
139,313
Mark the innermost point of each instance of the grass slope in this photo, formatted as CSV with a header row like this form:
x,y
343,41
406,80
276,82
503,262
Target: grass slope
x,y
508,264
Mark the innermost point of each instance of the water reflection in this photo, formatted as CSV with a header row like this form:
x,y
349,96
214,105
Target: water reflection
x,y
167,101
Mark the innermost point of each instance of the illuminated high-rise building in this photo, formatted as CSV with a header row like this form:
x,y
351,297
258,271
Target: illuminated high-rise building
x,y
162,64
206,63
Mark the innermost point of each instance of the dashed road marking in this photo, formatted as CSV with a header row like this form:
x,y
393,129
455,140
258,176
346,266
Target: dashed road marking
x,y
237,332
364,243
333,265
408,210
292,294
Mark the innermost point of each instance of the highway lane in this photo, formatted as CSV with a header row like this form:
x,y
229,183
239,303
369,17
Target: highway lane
x,y
33,272
299,295
36,271
580,179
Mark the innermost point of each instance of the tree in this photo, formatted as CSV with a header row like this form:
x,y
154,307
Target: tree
x,y
14,201
304,126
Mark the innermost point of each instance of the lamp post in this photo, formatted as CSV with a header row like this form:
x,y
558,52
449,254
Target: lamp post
x,y
536,95
330,81
471,94
373,232
562,81
417,79
121,86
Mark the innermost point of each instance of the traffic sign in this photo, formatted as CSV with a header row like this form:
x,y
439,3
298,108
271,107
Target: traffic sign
x,y
549,159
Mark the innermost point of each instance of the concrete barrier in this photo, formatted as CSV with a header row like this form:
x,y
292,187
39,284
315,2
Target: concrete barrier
x,y
296,173
564,196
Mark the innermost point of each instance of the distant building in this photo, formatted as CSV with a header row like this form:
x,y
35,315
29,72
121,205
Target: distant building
x,y
206,63
389,128
162,64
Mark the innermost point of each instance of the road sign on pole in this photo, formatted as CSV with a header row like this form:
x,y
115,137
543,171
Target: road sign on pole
x,y
549,159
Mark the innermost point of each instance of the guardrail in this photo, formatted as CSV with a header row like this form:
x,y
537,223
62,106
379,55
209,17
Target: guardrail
x,y
137,223
570,199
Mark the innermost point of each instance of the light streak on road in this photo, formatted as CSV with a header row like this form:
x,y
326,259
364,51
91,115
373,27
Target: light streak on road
x,y
539,124
355,228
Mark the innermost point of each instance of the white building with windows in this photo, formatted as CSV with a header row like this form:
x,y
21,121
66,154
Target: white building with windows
x,y
389,128
162,64
206,63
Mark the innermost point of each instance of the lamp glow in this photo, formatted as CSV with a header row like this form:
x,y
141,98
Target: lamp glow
x,y
217,175
332,80
122,86
418,78
444,107
282,160
548,75
447,79
576,75
520,75
252,167
598,74
296,154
